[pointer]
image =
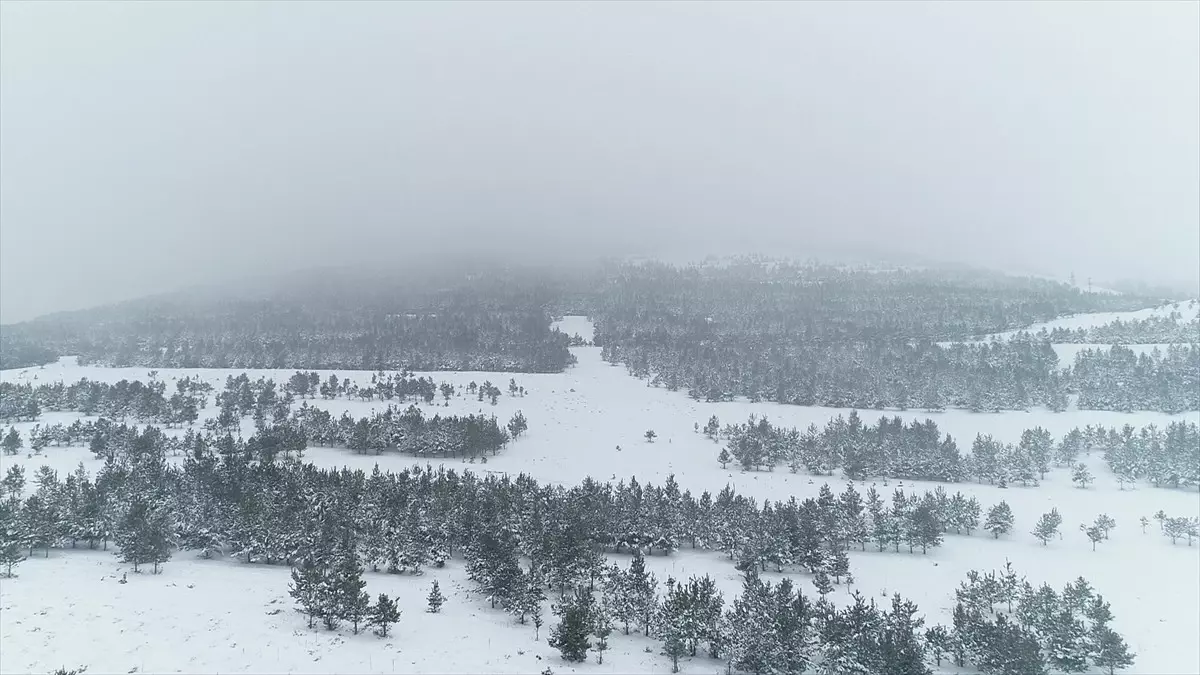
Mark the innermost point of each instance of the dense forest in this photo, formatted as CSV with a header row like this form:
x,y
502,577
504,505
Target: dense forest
x,y
823,336
492,322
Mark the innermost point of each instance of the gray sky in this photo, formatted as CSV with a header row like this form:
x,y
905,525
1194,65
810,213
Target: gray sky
x,y
145,146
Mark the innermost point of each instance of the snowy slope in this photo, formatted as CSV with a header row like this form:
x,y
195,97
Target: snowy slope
x,y
69,610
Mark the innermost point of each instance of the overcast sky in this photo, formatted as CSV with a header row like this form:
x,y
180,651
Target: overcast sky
x,y
146,146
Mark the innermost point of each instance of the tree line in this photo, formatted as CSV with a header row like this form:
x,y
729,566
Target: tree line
x,y
486,319
1168,457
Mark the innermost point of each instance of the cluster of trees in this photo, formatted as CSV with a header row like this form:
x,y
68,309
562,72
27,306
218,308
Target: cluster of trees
x,y
1120,379
487,320
143,401
1151,330
387,386
1002,624
40,436
822,336
1175,527
1009,375
1167,457
407,431
776,628
892,449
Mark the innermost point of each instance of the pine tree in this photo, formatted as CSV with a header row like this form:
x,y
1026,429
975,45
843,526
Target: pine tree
x,y
650,435
724,457
939,642
570,636
1081,476
435,598
839,564
351,603
821,582
1047,526
901,650
12,441
1094,533
602,628
12,539
307,578
999,520
535,616
753,644
145,535
1110,650
383,614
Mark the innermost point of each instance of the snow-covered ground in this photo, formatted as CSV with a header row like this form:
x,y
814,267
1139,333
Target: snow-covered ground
x,y
69,610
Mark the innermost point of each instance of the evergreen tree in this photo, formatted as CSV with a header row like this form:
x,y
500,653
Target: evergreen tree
x,y
999,520
1111,652
570,636
939,643
603,627
307,579
435,598
724,457
12,539
383,614
753,643
821,582
1047,526
344,588
901,649
12,441
1081,476
145,535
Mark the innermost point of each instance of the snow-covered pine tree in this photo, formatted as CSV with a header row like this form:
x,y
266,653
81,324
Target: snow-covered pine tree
x,y
351,602
752,641
1110,650
12,537
1047,526
435,598
1081,476
570,636
383,614
307,578
900,645
999,520
12,441
602,627
821,582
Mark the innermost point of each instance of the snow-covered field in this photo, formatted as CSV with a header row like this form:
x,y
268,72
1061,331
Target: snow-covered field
x,y
219,616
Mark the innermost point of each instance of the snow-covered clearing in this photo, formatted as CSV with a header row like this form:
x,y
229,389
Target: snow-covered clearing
x,y
69,610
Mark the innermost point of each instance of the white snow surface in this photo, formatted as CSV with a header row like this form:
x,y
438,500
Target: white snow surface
x,y
210,616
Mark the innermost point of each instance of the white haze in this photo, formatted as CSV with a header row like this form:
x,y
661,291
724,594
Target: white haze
x,y
148,146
